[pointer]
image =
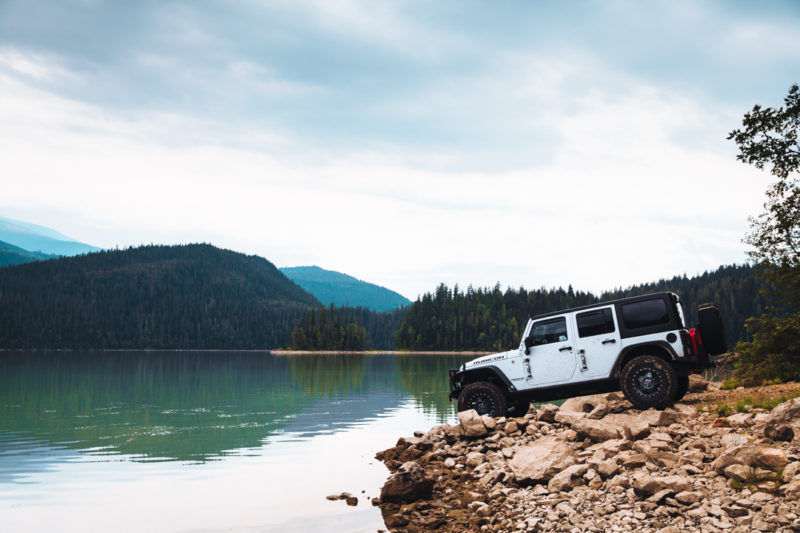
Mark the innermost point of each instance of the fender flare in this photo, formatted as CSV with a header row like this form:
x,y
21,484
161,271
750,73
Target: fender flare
x,y
492,371
661,348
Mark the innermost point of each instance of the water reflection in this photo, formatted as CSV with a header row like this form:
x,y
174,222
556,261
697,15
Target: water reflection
x,y
196,406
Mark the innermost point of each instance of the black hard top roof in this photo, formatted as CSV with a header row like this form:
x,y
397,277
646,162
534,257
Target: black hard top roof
x,y
648,296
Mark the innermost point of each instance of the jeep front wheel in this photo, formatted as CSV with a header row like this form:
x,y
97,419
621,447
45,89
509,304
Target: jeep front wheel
x,y
486,398
518,409
649,381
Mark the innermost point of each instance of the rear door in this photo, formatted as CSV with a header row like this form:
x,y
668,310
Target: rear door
x,y
552,358
597,343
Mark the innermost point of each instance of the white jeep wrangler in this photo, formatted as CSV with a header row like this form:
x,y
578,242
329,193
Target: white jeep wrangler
x,y
640,345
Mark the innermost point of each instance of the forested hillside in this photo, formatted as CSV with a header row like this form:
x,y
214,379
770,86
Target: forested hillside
x,y
191,296
491,319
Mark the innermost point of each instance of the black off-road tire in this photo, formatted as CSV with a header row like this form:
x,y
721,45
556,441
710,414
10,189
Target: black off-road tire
x,y
649,381
682,389
519,409
486,398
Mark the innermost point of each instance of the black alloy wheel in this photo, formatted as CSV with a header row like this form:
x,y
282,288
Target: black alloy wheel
x,y
649,381
486,398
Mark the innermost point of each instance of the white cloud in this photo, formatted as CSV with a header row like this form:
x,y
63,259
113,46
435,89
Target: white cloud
x,y
620,199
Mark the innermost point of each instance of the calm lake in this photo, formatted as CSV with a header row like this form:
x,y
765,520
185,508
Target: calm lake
x,y
205,441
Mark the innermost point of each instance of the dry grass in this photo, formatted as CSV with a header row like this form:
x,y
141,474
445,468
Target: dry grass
x,y
743,399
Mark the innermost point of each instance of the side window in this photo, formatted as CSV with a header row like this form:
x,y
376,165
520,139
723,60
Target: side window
x,y
547,331
644,314
597,322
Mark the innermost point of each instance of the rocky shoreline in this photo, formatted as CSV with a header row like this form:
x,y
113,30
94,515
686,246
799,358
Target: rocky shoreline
x,y
597,464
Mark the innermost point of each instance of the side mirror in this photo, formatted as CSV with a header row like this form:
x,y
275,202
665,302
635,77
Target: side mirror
x,y
528,344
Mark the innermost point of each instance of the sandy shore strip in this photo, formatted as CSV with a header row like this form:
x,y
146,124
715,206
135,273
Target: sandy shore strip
x,y
374,352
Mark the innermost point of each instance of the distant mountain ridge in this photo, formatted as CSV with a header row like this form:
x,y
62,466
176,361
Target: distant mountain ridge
x,y
34,238
14,255
191,296
330,287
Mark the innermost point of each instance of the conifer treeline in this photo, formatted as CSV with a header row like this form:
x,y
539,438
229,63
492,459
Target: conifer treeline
x,y
492,319
325,329
379,329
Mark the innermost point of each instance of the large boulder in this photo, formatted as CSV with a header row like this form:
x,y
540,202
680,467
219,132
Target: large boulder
x,y
540,460
567,479
595,406
547,413
754,456
784,415
654,417
596,430
408,484
632,426
471,423
646,485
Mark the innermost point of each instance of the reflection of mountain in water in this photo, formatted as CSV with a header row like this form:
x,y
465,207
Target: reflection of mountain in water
x,y
196,406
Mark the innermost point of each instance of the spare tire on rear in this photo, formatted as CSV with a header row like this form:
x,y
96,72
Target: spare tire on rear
x,y
712,333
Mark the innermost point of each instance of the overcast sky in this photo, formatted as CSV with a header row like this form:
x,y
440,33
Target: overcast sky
x,y
406,143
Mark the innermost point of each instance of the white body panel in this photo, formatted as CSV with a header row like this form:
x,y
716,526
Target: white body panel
x,y
561,356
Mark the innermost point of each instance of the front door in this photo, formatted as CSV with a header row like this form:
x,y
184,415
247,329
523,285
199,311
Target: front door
x,y
552,358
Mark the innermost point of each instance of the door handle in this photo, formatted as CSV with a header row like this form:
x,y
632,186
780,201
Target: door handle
x,y
564,348
609,341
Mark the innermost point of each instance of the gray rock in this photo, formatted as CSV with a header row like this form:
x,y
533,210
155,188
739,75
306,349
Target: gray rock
x,y
540,460
779,432
741,420
791,470
596,430
471,423
474,459
547,413
751,455
689,497
583,404
737,471
731,440
567,479
785,413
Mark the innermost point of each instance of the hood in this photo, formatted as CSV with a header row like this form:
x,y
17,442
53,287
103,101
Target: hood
x,y
489,359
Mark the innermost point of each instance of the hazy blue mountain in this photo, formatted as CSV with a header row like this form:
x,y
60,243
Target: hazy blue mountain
x,y
340,289
34,238
14,255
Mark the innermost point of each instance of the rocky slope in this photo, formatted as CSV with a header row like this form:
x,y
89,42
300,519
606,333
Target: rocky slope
x,y
596,464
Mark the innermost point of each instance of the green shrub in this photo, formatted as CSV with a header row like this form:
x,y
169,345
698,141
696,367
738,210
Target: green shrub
x,y
774,352
730,383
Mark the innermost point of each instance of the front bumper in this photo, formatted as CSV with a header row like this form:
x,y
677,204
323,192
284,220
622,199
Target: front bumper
x,y
455,384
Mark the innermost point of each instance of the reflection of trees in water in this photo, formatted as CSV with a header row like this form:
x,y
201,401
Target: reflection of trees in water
x,y
185,405
328,375
426,378
194,405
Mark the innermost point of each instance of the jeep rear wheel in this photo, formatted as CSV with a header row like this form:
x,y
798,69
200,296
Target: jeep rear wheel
x,y
649,381
486,398
682,388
